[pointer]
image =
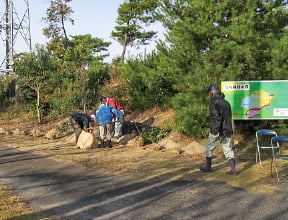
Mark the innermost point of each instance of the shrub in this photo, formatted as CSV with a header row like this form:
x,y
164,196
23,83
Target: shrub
x,y
154,134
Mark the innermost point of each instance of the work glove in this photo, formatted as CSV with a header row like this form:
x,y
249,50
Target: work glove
x,y
215,136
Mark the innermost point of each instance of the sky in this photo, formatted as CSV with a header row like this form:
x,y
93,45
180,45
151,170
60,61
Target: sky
x,y
95,17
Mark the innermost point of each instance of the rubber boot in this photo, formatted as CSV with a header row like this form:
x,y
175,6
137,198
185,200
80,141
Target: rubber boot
x,y
118,130
109,144
233,167
102,144
207,166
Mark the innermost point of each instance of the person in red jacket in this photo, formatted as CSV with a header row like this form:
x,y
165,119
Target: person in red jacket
x,y
114,103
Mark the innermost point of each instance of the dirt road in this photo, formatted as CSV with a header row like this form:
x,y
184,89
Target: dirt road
x,y
69,191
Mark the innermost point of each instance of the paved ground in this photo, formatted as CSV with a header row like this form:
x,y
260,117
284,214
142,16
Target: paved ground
x,y
68,191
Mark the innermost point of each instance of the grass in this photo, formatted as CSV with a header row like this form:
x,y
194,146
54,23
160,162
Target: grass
x,y
13,207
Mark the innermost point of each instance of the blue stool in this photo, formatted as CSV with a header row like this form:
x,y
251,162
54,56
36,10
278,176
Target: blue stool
x,y
277,144
261,144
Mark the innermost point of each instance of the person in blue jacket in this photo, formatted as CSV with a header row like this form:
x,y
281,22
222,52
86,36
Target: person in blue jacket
x,y
105,115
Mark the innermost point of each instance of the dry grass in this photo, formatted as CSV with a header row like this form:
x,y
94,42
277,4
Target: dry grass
x,y
144,163
13,207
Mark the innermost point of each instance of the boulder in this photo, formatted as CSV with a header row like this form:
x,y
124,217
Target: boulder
x,y
124,139
17,131
35,133
87,141
51,134
193,149
3,131
169,145
71,139
138,141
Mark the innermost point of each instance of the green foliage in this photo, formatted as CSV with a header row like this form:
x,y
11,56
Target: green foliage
x,y
132,16
279,50
192,116
155,134
7,88
56,15
148,86
211,41
63,85
34,70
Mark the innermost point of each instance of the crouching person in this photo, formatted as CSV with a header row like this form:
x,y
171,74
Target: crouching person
x,y
79,122
105,114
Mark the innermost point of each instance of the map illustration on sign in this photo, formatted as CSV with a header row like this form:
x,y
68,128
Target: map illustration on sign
x,y
257,99
255,102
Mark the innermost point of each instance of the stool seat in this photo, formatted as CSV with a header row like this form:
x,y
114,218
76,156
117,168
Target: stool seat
x,y
266,132
280,139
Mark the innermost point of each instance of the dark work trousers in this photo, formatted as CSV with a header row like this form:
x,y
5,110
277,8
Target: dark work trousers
x,y
76,127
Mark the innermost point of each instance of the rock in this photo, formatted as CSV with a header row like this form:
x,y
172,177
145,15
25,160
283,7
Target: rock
x,y
3,130
170,146
87,141
194,149
35,133
51,134
153,146
124,139
136,142
71,139
19,132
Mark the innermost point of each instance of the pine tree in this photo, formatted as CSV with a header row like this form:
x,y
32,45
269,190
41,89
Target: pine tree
x,y
132,16
214,41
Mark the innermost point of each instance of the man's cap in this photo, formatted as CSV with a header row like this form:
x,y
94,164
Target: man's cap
x,y
212,87
93,117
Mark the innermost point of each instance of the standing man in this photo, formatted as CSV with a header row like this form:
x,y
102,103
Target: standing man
x,y
221,129
105,115
80,121
114,103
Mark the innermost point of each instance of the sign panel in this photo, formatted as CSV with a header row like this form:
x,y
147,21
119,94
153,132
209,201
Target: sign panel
x,y
256,100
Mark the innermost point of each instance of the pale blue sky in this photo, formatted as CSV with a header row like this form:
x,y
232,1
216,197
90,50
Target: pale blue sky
x,y
95,17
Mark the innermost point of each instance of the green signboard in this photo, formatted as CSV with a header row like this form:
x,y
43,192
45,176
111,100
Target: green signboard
x,y
256,100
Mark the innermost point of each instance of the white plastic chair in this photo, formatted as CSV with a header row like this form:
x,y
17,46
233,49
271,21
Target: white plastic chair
x,y
277,144
261,144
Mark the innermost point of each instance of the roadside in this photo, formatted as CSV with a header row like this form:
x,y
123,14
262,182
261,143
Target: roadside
x,y
140,162
65,190
143,178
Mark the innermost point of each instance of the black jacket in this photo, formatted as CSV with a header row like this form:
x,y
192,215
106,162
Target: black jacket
x,y
82,119
220,116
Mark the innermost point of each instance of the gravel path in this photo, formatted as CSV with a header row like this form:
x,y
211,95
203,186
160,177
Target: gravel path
x,y
68,191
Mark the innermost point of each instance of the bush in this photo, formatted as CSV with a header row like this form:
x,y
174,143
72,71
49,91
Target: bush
x,y
155,134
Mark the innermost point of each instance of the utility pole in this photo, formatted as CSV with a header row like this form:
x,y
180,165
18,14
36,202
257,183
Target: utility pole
x,y
13,25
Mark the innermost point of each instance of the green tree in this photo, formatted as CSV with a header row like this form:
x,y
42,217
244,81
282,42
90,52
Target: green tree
x,y
34,70
147,85
84,62
132,16
56,16
213,41
279,65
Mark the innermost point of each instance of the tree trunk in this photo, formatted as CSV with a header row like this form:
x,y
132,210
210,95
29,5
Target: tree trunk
x,y
38,105
124,47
